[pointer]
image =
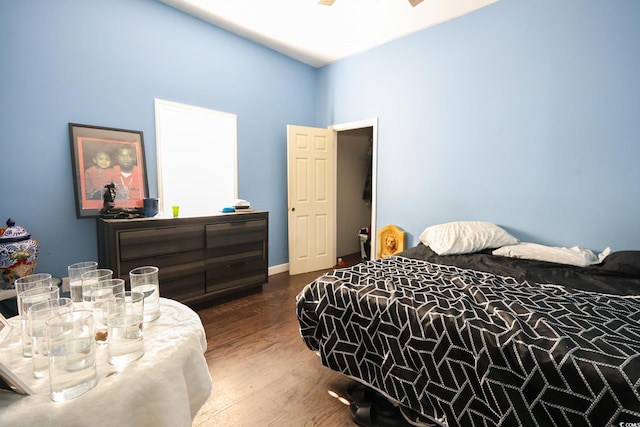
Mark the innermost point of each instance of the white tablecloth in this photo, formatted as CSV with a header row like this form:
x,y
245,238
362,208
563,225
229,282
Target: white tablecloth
x,y
166,387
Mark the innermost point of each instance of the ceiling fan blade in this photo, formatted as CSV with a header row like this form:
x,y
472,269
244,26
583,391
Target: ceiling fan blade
x,y
414,3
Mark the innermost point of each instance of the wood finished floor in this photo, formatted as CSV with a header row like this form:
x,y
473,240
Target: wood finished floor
x,y
262,372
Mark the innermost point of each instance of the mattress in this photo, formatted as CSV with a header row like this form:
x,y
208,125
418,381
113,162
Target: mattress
x,y
467,347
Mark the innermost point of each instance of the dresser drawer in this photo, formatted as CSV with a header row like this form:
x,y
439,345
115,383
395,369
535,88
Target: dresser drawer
x,y
184,287
234,254
234,276
160,241
170,266
235,232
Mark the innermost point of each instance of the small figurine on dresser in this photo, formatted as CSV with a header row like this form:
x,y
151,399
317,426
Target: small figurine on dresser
x,y
108,198
108,206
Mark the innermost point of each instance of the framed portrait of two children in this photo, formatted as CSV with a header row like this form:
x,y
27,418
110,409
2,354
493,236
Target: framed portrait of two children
x,y
101,156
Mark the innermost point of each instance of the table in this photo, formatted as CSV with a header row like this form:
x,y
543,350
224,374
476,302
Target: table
x,y
166,387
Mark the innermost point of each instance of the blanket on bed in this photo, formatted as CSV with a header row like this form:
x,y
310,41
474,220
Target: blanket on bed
x,y
472,348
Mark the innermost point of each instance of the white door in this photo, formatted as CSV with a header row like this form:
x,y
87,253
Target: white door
x,y
311,198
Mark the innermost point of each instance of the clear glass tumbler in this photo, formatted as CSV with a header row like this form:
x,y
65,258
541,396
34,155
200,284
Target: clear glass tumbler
x,y
72,354
145,280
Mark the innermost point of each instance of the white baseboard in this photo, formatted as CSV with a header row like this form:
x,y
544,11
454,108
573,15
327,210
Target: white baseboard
x,y
278,269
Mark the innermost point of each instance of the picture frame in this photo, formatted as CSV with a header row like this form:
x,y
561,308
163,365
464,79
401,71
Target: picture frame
x,y
9,381
5,328
103,155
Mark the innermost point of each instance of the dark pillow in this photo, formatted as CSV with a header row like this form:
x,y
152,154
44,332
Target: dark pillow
x,y
625,262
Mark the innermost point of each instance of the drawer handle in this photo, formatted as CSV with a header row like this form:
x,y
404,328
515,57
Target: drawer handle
x,y
237,264
166,255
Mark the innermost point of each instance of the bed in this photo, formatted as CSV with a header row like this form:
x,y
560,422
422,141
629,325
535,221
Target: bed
x,y
477,339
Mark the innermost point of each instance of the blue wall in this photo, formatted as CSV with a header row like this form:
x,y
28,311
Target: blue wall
x,y
522,113
103,63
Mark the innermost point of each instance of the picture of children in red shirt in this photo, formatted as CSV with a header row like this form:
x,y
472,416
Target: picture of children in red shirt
x,y
104,156
98,175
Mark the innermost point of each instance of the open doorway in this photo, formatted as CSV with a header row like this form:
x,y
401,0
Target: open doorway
x,y
313,185
354,153
354,193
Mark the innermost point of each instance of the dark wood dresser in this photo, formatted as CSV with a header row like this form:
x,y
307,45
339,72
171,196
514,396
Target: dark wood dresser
x,y
201,259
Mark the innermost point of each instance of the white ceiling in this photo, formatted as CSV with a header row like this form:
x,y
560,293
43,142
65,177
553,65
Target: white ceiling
x,y
317,34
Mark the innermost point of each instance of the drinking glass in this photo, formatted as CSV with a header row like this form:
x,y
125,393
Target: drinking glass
x,y
36,280
90,277
37,315
102,293
145,280
125,322
25,300
72,354
75,279
127,302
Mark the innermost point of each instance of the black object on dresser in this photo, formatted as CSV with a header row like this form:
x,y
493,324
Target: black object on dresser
x,y
201,259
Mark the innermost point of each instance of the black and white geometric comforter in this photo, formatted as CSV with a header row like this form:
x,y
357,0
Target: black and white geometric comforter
x,y
469,348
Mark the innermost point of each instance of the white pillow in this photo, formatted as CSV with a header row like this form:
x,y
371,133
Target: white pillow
x,y
572,256
463,237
